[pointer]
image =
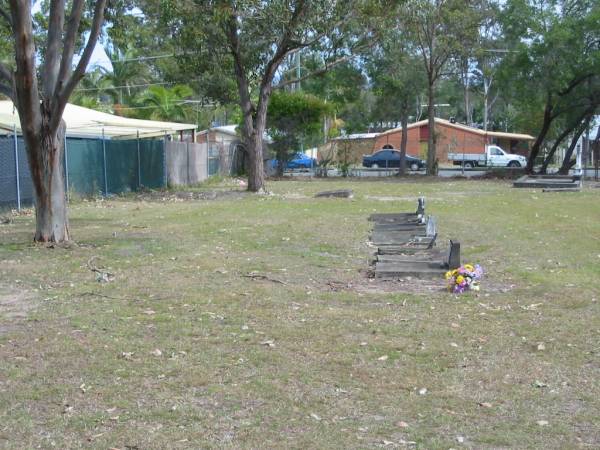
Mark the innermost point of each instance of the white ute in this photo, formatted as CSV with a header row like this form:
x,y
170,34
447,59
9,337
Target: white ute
x,y
494,156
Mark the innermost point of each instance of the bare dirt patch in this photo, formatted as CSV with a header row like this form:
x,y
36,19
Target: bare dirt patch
x,y
15,305
166,196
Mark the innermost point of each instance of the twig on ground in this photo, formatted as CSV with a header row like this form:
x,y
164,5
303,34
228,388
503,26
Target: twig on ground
x,y
102,276
259,276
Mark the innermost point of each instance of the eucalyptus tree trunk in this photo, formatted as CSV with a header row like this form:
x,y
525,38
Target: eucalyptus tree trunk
x,y
431,141
45,158
41,95
566,164
535,149
403,142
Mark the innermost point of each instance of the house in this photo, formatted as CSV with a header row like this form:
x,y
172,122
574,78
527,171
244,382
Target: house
x,y
451,138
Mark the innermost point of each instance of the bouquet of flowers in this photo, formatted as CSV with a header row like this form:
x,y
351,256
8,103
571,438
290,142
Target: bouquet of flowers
x,y
466,277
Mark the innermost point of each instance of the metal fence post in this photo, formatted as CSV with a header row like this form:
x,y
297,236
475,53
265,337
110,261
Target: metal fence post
x,y
187,155
17,168
165,179
139,164
104,164
207,158
66,165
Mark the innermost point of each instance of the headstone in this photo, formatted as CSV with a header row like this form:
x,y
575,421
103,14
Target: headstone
x,y
420,207
431,226
454,255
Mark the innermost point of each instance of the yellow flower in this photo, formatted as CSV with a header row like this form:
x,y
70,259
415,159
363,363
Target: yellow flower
x,y
448,275
469,267
460,279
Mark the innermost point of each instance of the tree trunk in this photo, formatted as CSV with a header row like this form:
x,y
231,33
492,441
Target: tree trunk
x,y
46,166
486,106
404,119
535,149
431,150
550,155
256,173
566,164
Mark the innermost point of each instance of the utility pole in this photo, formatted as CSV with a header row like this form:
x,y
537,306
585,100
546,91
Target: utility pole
x,y
298,71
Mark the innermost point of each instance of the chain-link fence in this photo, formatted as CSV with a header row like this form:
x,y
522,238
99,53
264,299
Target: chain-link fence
x,y
101,167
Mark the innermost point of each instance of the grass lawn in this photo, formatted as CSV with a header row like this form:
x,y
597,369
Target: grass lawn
x,y
184,350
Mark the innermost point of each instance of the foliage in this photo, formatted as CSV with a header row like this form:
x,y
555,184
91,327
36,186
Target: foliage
x,y
167,104
295,119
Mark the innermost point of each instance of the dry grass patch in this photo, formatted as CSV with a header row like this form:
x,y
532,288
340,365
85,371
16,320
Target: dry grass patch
x,y
185,350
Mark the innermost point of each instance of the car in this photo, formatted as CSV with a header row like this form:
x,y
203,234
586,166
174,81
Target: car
x,y
391,158
301,161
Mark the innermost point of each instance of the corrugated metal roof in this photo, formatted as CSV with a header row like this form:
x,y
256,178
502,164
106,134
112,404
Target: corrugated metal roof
x,y
357,136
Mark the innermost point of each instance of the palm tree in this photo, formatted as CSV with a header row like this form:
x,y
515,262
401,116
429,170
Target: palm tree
x,y
124,74
162,103
92,91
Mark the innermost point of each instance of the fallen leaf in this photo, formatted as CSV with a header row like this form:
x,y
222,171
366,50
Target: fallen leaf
x,y
485,405
383,358
402,424
541,346
542,423
315,416
156,352
268,343
422,391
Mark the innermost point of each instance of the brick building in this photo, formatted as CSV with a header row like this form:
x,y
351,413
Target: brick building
x,y
451,138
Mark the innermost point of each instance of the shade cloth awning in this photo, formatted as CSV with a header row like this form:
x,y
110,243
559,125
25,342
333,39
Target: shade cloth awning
x,y
88,123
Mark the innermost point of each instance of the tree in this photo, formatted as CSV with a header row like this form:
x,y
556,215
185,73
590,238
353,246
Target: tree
x,y
556,57
125,72
253,38
434,25
293,118
169,104
41,95
397,76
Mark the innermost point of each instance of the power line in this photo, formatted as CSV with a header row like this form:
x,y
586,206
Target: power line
x,y
163,83
145,58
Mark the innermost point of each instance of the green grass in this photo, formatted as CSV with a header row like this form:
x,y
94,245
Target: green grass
x,y
78,366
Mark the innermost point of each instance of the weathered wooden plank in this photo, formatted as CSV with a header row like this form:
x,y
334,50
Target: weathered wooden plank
x,y
418,256
420,269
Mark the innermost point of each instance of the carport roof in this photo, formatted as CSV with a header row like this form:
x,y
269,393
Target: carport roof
x,y
88,123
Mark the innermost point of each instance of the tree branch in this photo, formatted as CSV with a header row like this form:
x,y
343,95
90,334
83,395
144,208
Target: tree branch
x,y
79,71
66,61
321,71
7,91
6,74
231,32
6,17
25,79
56,23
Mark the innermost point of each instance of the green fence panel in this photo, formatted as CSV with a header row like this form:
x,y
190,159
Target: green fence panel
x,y
152,163
85,166
121,166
